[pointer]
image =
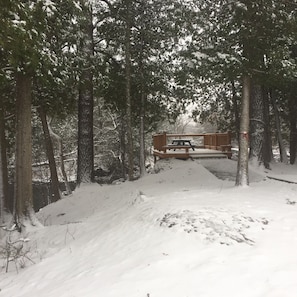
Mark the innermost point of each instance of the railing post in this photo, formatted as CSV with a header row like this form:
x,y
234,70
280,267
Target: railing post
x,y
164,141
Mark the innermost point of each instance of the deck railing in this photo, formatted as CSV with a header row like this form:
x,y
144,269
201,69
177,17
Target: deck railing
x,y
214,141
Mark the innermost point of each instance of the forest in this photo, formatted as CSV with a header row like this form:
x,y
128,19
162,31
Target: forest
x,y
84,85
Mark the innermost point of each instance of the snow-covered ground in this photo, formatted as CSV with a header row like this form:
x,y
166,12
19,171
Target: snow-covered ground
x,y
179,232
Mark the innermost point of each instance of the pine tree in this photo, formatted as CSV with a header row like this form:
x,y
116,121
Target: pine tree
x,y
85,159
235,39
23,40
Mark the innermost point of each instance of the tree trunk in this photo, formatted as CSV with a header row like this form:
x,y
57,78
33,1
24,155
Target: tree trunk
x,y
236,111
1,190
142,145
123,146
267,154
6,203
242,177
282,148
256,124
85,158
293,127
142,103
128,91
56,138
23,208
50,156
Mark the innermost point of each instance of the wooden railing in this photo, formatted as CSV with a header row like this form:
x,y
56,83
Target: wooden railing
x,y
214,141
159,141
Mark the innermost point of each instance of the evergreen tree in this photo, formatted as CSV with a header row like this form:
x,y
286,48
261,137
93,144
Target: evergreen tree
x,y
85,158
24,41
235,39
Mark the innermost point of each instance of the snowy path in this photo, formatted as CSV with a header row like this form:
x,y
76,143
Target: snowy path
x,y
181,232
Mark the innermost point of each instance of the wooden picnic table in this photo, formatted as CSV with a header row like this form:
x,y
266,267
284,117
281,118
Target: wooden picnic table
x,y
176,143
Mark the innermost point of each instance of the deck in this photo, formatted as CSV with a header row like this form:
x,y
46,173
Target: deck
x,y
204,146
199,153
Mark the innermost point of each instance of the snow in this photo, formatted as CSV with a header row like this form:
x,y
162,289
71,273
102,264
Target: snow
x,y
180,232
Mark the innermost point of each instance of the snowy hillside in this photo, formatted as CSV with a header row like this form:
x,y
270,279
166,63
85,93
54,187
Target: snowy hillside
x,y
179,232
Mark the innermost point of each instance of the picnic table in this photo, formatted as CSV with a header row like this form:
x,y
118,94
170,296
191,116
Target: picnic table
x,y
176,143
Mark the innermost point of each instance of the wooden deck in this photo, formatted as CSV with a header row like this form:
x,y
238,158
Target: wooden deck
x,y
215,145
199,153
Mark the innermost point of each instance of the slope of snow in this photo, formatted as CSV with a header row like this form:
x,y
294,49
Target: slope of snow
x,y
180,232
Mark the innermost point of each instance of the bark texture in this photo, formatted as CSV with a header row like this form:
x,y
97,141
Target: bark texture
x,y
1,191
6,202
293,127
56,138
282,148
85,158
260,137
242,177
256,124
128,90
23,208
267,147
51,157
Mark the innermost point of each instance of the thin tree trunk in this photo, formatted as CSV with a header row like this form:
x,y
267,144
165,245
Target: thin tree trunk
x,y
293,127
23,209
236,111
1,190
59,141
267,154
242,177
142,104
256,124
6,203
142,147
282,148
50,156
128,90
123,146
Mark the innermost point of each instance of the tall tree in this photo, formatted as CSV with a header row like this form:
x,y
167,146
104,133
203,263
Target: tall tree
x,y
25,26
85,158
233,38
128,75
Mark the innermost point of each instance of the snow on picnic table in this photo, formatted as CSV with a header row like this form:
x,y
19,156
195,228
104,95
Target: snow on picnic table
x,y
180,232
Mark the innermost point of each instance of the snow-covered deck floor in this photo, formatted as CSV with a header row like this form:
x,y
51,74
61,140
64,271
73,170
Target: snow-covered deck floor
x,y
198,153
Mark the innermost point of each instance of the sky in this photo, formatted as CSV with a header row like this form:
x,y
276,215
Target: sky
x,y
183,230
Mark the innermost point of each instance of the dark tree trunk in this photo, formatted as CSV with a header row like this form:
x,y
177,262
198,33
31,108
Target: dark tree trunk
x,y
6,203
142,103
142,141
50,156
267,154
85,158
56,138
235,110
128,91
282,148
1,191
256,124
242,177
23,206
293,127
123,146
